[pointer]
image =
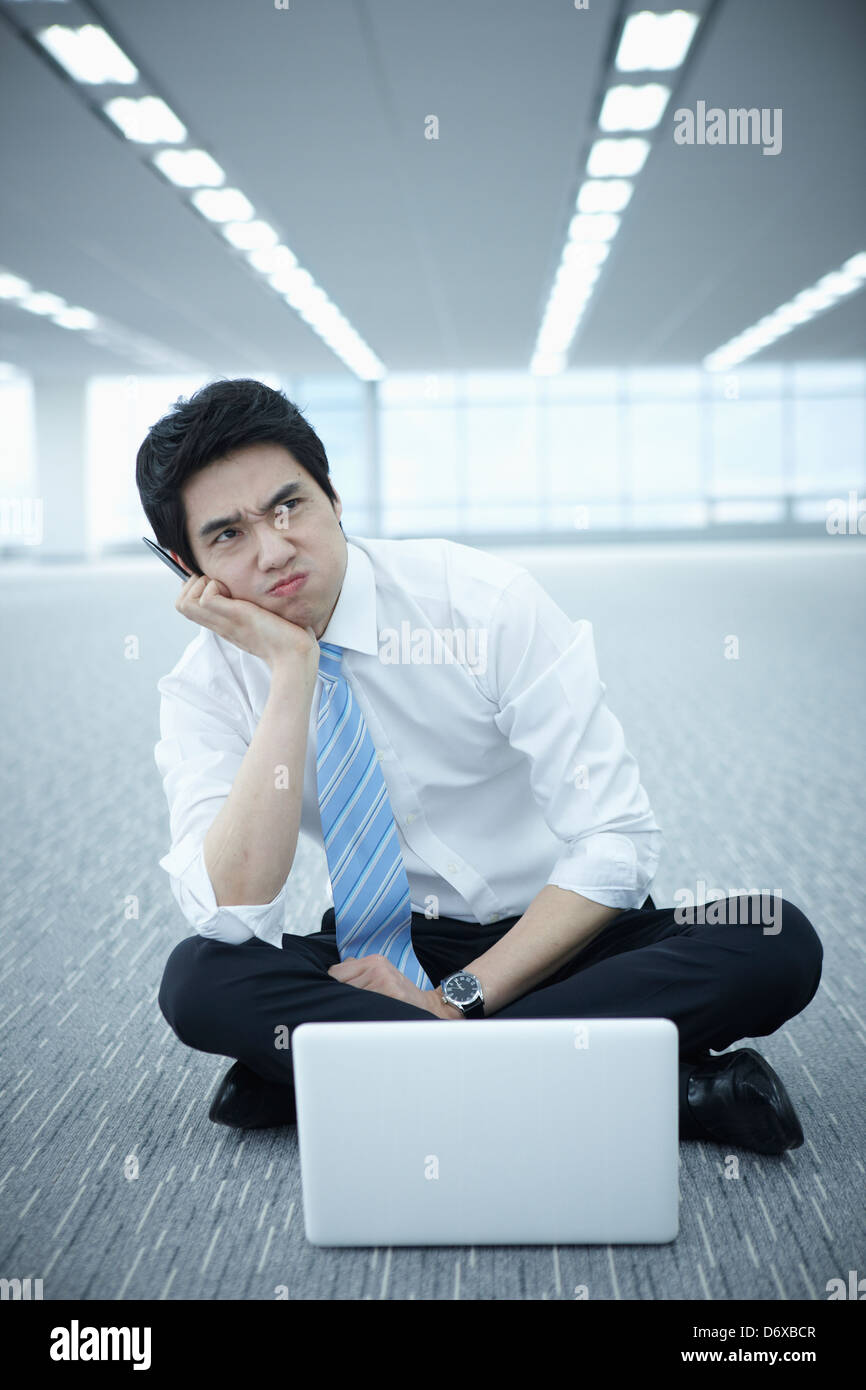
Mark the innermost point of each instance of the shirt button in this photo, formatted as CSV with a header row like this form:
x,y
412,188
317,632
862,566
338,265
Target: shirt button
x,y
381,757
410,817
452,868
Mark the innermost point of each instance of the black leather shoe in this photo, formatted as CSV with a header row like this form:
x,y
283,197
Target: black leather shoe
x,y
738,1099
245,1100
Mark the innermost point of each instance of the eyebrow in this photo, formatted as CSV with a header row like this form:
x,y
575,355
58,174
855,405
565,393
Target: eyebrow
x,y
219,523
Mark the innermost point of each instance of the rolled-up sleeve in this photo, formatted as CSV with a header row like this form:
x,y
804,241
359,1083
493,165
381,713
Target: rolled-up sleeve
x,y
543,676
200,751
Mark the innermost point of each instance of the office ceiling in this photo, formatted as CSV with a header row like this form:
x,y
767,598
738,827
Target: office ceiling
x,y
441,253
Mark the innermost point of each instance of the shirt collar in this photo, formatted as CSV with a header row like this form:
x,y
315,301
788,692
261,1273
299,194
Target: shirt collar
x,y
353,621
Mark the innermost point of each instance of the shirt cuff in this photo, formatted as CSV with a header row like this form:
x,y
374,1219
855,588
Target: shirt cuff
x,y
194,895
610,868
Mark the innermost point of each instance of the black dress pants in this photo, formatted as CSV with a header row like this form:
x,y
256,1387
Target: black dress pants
x,y
755,963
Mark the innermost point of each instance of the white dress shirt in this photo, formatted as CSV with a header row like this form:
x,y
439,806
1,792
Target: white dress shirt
x,y
505,768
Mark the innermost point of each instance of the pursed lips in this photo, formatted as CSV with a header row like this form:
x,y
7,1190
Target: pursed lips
x,y
289,579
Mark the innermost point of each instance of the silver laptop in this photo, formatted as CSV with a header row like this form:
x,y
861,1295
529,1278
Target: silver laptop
x,y
496,1132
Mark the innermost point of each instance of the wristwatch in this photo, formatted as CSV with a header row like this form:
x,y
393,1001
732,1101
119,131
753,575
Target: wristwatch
x,y
463,989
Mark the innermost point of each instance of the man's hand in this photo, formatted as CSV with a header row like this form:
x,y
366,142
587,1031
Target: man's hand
x,y
246,625
376,973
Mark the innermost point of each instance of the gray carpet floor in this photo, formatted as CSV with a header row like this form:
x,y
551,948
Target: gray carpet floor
x,y
755,769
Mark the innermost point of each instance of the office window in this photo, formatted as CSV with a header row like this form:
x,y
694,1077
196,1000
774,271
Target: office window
x,y
421,479
645,448
120,411
502,481
750,381
589,384
840,378
664,383
17,437
22,512
335,407
582,449
829,442
665,450
746,448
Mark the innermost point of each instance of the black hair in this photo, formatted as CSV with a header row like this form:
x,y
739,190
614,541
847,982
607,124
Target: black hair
x,y
215,421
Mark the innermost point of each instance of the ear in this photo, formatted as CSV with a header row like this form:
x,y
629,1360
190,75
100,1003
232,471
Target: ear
x,y
174,555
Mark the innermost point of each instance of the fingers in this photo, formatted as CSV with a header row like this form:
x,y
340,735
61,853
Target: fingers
x,y
213,589
198,590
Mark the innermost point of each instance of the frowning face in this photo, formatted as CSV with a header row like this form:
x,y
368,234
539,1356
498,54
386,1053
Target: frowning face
x,y
256,518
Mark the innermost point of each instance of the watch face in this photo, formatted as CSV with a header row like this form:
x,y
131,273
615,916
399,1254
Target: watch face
x,y
462,988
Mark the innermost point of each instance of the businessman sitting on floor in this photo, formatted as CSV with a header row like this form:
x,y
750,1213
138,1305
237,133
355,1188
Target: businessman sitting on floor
x,y
426,713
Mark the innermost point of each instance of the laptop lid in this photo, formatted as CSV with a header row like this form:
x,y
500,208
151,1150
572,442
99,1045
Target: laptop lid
x,y
499,1132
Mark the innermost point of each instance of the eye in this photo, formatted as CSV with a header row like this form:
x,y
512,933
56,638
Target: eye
x,y
292,502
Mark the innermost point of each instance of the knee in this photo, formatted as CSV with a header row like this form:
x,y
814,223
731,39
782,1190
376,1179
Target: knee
x,y
803,953
182,993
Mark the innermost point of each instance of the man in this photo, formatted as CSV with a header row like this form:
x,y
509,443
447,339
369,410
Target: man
x,y
427,715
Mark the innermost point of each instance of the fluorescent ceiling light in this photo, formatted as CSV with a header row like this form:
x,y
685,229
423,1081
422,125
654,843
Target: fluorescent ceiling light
x,y
558,327
146,120
557,342
223,205
284,279
42,303
189,168
270,259
316,301
88,54
792,314
593,226
566,294
12,286
332,323
75,318
829,290
633,108
572,289
838,283
547,363
604,195
557,333
573,273
655,42
299,282
249,236
567,307
617,157
585,252
813,299
312,312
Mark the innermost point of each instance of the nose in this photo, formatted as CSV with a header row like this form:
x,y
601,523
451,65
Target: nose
x,y
275,547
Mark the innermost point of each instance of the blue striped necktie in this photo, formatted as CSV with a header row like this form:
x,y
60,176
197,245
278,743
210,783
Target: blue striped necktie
x,y
372,905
